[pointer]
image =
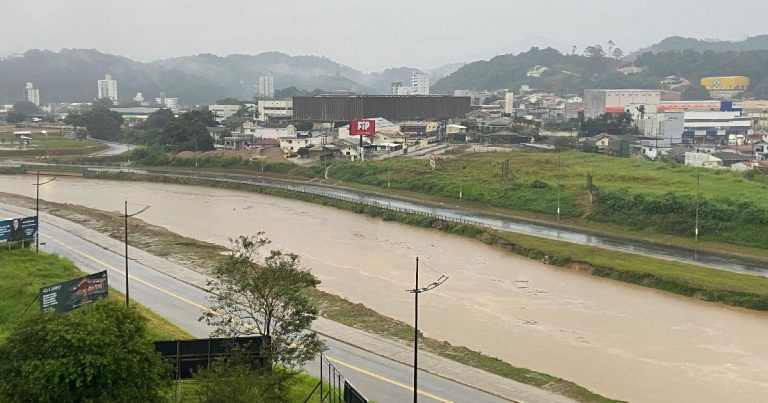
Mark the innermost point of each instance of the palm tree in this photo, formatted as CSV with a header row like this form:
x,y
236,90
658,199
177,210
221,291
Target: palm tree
x,y
610,46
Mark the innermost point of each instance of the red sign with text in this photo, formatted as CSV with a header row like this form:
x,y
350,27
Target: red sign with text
x,y
365,127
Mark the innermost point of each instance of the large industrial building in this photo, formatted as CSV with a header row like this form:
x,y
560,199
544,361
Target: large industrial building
x,y
725,87
397,108
598,102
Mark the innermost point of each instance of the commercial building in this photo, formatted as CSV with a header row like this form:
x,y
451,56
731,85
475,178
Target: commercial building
x,y
727,87
274,109
32,94
166,102
107,88
330,108
419,85
724,128
509,103
223,112
266,86
598,102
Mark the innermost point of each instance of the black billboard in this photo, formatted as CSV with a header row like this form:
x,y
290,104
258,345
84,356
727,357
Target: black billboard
x,y
75,293
18,229
187,356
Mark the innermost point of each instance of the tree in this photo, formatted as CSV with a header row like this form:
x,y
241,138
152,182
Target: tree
x,y
594,51
104,103
76,119
25,107
303,152
103,123
617,53
695,92
158,119
265,298
15,117
228,101
610,46
611,123
99,352
189,132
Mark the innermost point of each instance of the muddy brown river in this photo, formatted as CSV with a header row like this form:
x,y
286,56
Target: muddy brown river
x,y
620,340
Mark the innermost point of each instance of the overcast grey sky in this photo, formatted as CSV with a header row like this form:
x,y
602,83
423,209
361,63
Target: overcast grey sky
x,y
365,34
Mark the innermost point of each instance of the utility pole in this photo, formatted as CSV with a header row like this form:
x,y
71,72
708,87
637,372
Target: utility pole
x,y
126,216
696,229
416,291
37,210
559,179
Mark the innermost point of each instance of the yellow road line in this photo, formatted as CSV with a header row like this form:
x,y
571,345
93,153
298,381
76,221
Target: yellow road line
x,y
196,305
385,379
358,369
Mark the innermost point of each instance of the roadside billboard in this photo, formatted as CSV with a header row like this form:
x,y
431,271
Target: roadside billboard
x,y
363,127
18,229
75,293
189,356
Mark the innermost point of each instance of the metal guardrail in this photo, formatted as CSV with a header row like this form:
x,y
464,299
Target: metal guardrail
x,y
307,189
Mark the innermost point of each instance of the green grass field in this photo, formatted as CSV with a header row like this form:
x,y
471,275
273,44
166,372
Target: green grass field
x,y
22,274
53,144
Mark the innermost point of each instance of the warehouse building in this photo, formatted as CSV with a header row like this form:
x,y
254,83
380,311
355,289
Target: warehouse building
x,y
397,108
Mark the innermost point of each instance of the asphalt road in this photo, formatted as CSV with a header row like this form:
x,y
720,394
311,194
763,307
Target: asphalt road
x,y
378,378
113,148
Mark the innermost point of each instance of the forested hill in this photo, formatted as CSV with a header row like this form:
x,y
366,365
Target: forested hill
x,y
679,43
71,74
574,73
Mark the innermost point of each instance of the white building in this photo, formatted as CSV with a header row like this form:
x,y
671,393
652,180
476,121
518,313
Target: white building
x,y
32,94
266,86
419,83
509,103
274,109
170,103
223,112
107,88
251,129
138,98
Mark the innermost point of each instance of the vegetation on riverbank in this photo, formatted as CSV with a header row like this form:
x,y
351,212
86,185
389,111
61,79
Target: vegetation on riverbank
x,y
48,145
653,200
202,256
708,284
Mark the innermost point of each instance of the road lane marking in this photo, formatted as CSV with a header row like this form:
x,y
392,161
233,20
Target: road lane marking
x,y
385,379
129,276
355,368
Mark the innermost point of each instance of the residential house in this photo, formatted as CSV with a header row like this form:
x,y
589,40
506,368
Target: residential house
x,y
291,145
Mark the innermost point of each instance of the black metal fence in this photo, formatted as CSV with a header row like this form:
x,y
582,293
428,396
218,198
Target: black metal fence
x,y
334,387
188,356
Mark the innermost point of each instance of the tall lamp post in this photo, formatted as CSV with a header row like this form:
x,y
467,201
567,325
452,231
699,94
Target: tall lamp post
x,y
126,216
416,291
37,209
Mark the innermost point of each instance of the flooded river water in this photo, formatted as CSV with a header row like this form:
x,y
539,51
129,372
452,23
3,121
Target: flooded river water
x,y
619,340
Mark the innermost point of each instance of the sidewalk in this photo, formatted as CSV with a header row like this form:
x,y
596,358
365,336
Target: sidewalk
x,y
387,348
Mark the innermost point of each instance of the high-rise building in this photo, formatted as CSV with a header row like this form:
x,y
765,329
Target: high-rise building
x,y
419,83
170,103
107,88
266,86
32,94
138,98
509,103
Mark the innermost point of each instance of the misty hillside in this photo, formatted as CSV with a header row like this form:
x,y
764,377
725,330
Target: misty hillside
x,y
71,74
574,73
678,43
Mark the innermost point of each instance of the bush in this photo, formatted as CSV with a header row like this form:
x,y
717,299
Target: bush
x,y
97,353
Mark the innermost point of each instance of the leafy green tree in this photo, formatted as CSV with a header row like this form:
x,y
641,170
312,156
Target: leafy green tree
x,y
189,132
228,101
15,117
159,119
232,380
303,152
617,53
98,353
695,92
103,103
103,123
611,123
265,298
26,108
594,51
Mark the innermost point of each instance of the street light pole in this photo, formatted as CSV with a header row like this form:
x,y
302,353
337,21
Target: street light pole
x,y
126,216
37,209
416,291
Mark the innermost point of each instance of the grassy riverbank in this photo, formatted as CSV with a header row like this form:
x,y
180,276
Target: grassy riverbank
x,y
680,278
652,200
201,256
23,273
